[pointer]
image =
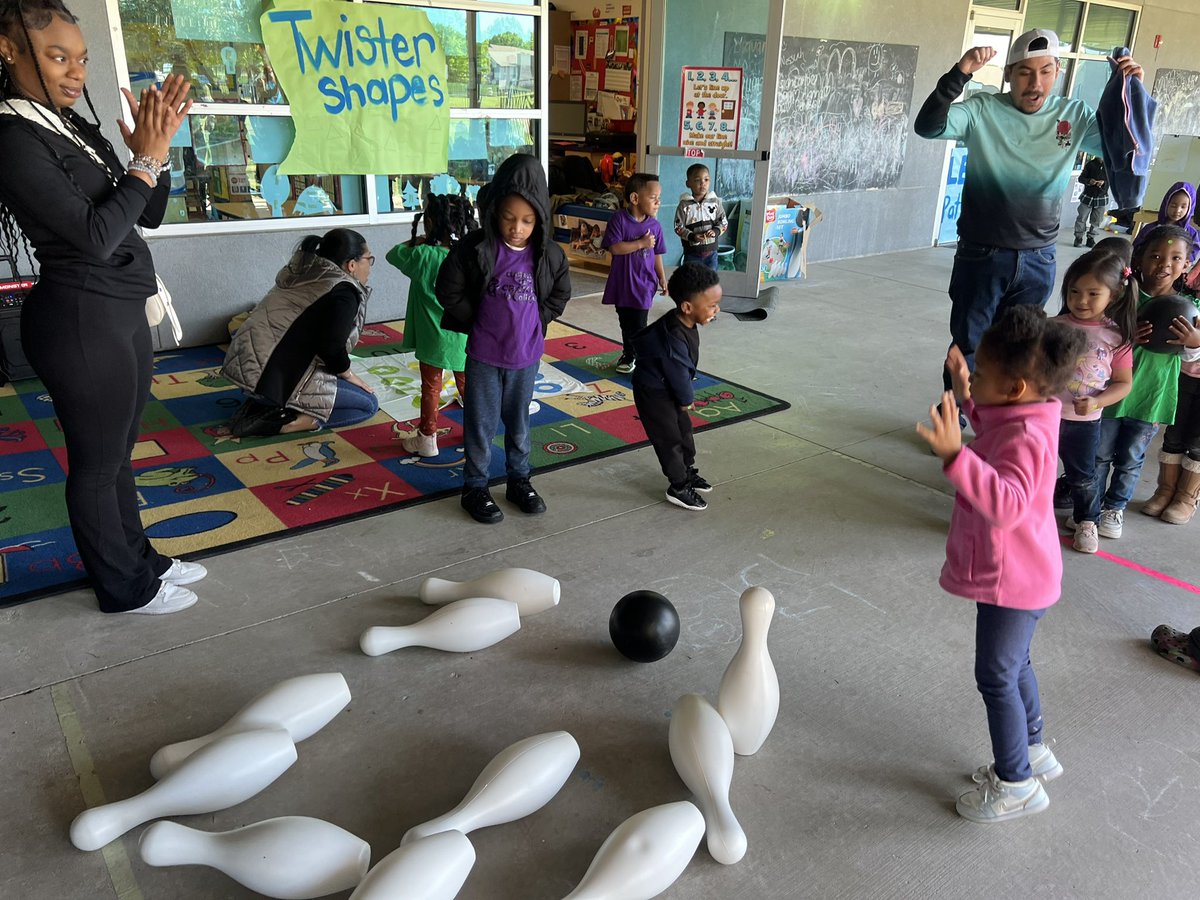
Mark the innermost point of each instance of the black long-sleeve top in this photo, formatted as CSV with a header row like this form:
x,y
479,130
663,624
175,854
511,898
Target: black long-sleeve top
x,y
81,225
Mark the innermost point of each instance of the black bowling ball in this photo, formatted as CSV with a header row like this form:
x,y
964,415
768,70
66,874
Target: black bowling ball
x,y
1161,312
644,626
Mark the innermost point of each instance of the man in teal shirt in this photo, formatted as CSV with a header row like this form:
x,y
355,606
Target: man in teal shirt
x,y
1021,150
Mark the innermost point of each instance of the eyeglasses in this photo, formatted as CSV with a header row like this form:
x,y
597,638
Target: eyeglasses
x,y
370,260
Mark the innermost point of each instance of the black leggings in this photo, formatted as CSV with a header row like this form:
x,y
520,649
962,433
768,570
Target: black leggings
x,y
632,321
1184,435
94,356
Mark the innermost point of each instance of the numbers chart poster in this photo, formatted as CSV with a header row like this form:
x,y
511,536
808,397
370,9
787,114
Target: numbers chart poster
x,y
710,107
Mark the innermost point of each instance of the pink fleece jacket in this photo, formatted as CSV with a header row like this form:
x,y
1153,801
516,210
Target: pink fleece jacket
x,y
1003,545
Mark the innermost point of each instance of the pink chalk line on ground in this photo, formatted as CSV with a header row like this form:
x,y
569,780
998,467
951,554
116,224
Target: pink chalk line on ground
x,y
1141,570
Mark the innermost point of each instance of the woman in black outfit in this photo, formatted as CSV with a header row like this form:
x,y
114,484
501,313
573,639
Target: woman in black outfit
x,y
84,327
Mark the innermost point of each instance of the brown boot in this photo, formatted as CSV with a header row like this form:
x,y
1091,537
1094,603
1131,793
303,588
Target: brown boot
x,y
1187,494
1169,465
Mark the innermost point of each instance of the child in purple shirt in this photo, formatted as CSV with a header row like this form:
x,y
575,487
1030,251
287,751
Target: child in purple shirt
x,y
502,286
635,240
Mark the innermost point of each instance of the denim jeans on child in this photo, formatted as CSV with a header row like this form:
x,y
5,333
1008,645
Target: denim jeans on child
x,y
1077,444
1123,444
351,405
1004,676
988,280
705,259
496,395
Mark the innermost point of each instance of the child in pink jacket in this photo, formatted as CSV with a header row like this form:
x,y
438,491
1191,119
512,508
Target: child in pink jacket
x,y
1003,549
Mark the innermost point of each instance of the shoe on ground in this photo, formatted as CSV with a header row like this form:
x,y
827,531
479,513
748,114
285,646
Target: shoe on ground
x,y
1087,538
698,482
686,497
1042,760
256,419
1112,522
419,444
626,364
171,598
182,573
1091,241
996,801
481,507
1062,494
521,492
1078,241
1177,646
1069,523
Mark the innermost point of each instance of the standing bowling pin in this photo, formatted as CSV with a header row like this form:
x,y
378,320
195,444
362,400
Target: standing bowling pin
x,y
226,772
532,591
292,858
644,855
520,780
748,699
433,868
460,627
702,751
300,706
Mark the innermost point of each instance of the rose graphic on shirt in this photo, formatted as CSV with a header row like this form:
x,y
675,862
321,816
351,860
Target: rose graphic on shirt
x,y
1062,133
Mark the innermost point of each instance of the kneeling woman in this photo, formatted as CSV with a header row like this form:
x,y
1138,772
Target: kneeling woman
x,y
292,356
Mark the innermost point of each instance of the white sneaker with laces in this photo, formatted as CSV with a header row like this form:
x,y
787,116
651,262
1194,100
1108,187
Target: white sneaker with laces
x,y
182,573
996,801
1111,522
1042,760
423,445
1086,538
171,598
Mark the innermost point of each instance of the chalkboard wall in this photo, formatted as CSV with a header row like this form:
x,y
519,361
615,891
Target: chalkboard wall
x,y
841,116
1178,94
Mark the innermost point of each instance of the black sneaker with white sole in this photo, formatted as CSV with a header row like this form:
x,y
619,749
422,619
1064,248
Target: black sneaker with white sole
x,y
626,364
480,506
698,482
686,497
521,492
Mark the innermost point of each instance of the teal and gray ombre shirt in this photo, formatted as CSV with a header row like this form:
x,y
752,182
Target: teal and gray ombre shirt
x,y
1018,164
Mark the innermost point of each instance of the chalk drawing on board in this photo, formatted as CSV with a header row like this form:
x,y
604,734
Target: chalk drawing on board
x,y
1178,94
841,115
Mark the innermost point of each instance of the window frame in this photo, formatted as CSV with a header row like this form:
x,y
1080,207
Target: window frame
x,y
538,10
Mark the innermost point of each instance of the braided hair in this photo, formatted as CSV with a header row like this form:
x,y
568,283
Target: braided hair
x,y
450,216
17,19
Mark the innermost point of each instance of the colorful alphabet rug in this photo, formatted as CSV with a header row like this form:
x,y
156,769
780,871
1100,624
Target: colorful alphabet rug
x,y
201,489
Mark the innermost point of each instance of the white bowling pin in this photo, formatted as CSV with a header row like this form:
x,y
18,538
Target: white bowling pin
x,y
292,857
644,855
433,868
226,772
519,781
702,751
460,627
748,699
532,591
300,706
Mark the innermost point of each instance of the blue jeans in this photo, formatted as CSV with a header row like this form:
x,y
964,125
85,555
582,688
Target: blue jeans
x,y
1004,676
988,280
1123,444
704,259
496,395
351,405
1077,445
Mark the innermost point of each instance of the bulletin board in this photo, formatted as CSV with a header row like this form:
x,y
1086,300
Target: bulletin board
x,y
604,57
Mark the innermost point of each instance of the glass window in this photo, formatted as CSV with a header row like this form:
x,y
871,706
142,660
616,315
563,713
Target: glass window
x,y
222,169
1060,16
1091,77
477,147
451,28
506,68
1107,27
999,4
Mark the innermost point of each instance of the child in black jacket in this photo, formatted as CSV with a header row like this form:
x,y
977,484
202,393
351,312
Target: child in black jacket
x,y
668,352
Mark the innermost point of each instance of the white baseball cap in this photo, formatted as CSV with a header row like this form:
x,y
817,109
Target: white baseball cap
x,y
1032,45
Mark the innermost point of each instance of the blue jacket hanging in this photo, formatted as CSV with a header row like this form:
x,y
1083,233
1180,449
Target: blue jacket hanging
x,y
1126,119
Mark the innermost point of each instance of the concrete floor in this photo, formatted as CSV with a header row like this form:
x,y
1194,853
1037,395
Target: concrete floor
x,y
833,505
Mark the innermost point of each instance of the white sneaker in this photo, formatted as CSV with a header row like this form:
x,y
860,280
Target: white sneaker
x,y
183,572
1086,539
423,445
1069,524
1042,760
170,598
997,801
1111,522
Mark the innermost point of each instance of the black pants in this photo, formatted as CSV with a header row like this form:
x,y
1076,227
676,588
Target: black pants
x,y
94,356
632,321
670,431
1184,435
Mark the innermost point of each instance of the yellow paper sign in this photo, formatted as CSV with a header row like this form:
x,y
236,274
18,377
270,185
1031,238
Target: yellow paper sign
x,y
366,84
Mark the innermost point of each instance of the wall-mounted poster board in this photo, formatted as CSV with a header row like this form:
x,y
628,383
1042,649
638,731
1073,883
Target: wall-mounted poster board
x,y
710,107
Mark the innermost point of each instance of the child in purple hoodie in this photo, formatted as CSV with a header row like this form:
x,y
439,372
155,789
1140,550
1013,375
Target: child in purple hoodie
x,y
1177,208
1002,550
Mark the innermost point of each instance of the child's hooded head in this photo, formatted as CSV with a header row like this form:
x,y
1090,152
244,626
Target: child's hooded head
x,y
518,203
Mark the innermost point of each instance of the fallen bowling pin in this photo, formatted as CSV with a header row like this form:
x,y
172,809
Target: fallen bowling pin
x,y
432,868
748,699
300,706
532,591
702,752
644,855
226,772
292,857
519,781
460,627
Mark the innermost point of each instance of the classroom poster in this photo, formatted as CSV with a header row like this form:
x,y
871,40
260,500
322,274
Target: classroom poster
x,y
710,107
366,84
